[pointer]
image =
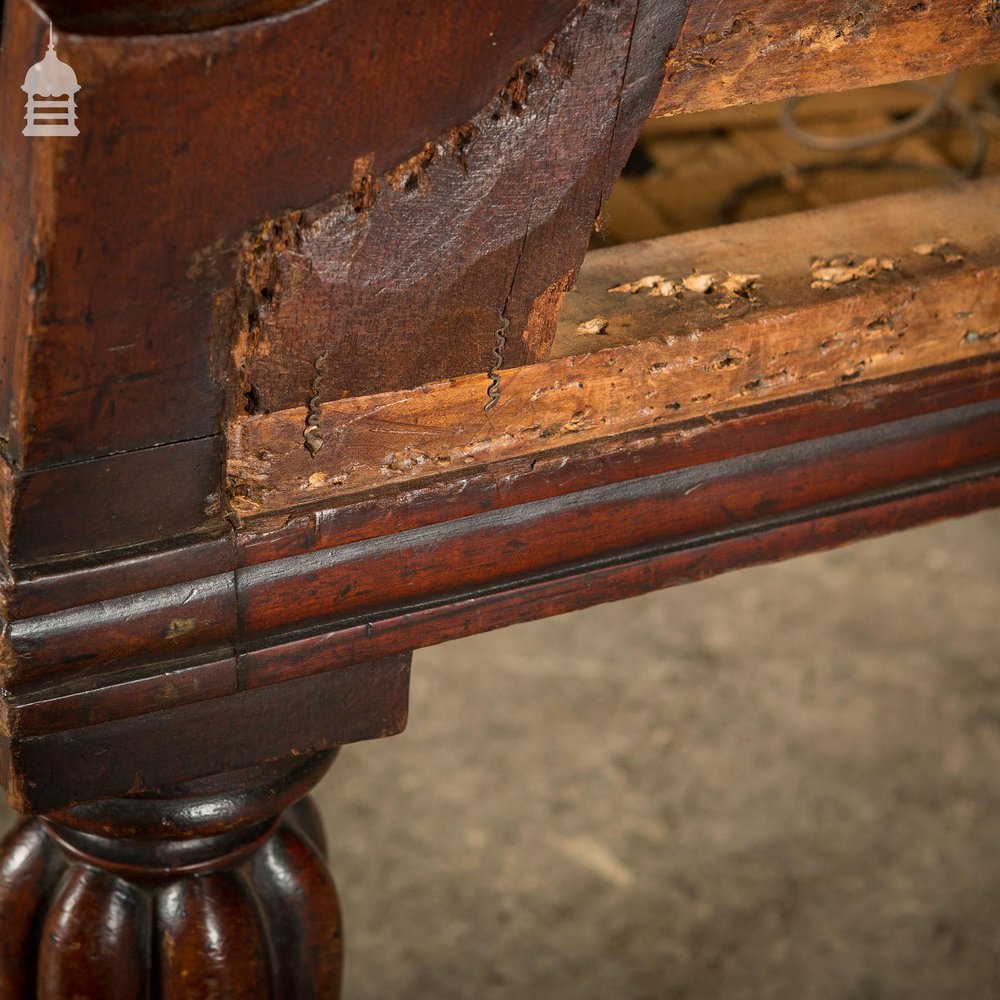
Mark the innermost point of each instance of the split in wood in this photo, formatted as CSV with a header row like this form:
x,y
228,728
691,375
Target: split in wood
x,y
700,283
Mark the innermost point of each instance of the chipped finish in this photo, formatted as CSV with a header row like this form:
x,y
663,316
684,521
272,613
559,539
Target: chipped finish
x,y
107,341
731,53
400,275
154,638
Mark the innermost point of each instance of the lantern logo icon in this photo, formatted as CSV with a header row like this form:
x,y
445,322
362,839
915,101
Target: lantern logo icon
x,y
51,87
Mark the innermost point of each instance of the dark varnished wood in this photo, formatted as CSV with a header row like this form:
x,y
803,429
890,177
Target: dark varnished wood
x,y
127,350
297,715
97,930
243,165
486,550
202,891
352,569
362,600
344,299
29,874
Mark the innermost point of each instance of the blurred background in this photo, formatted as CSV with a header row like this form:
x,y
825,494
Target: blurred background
x,y
702,170
781,783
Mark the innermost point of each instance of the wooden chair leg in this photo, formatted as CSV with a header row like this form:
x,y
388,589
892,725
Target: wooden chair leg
x,y
218,888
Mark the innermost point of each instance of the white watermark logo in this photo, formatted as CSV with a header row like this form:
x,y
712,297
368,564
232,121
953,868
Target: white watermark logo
x,y
51,87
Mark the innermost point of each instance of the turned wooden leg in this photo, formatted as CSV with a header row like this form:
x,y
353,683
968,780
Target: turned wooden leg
x,y
216,889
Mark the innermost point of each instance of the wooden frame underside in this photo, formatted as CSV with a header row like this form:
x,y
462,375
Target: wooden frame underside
x,y
767,389
887,414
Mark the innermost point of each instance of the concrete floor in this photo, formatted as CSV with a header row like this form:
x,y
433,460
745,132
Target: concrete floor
x,y
782,783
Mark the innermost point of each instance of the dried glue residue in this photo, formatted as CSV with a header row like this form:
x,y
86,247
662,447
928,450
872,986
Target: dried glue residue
x,y
597,325
843,270
698,283
942,248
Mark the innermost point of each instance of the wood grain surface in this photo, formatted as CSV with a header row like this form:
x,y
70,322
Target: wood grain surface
x,y
661,360
732,52
407,275
208,286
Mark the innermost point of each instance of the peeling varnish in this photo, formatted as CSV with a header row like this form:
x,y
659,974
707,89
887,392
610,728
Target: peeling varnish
x,y
941,247
598,326
179,627
698,52
830,272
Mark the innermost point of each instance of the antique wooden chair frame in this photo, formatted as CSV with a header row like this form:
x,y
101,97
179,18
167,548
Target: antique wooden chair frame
x,y
304,369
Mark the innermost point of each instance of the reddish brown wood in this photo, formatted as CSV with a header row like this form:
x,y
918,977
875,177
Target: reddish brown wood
x,y
745,428
29,873
64,763
202,891
218,242
481,571
122,353
508,534
640,571
667,359
127,350
166,623
344,299
96,931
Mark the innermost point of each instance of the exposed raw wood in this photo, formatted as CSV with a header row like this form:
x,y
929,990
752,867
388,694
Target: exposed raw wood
x,y
733,53
766,329
454,177
220,243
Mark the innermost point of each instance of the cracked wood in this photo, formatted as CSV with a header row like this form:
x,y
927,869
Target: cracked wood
x,y
399,279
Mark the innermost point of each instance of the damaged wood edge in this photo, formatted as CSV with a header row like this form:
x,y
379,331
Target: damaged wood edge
x,y
398,278
578,587
853,413
57,588
258,283
762,357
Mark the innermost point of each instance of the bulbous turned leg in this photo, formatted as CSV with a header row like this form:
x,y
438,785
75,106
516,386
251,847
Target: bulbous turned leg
x,y
217,890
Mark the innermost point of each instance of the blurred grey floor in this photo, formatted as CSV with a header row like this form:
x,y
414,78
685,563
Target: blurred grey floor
x,y
782,783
